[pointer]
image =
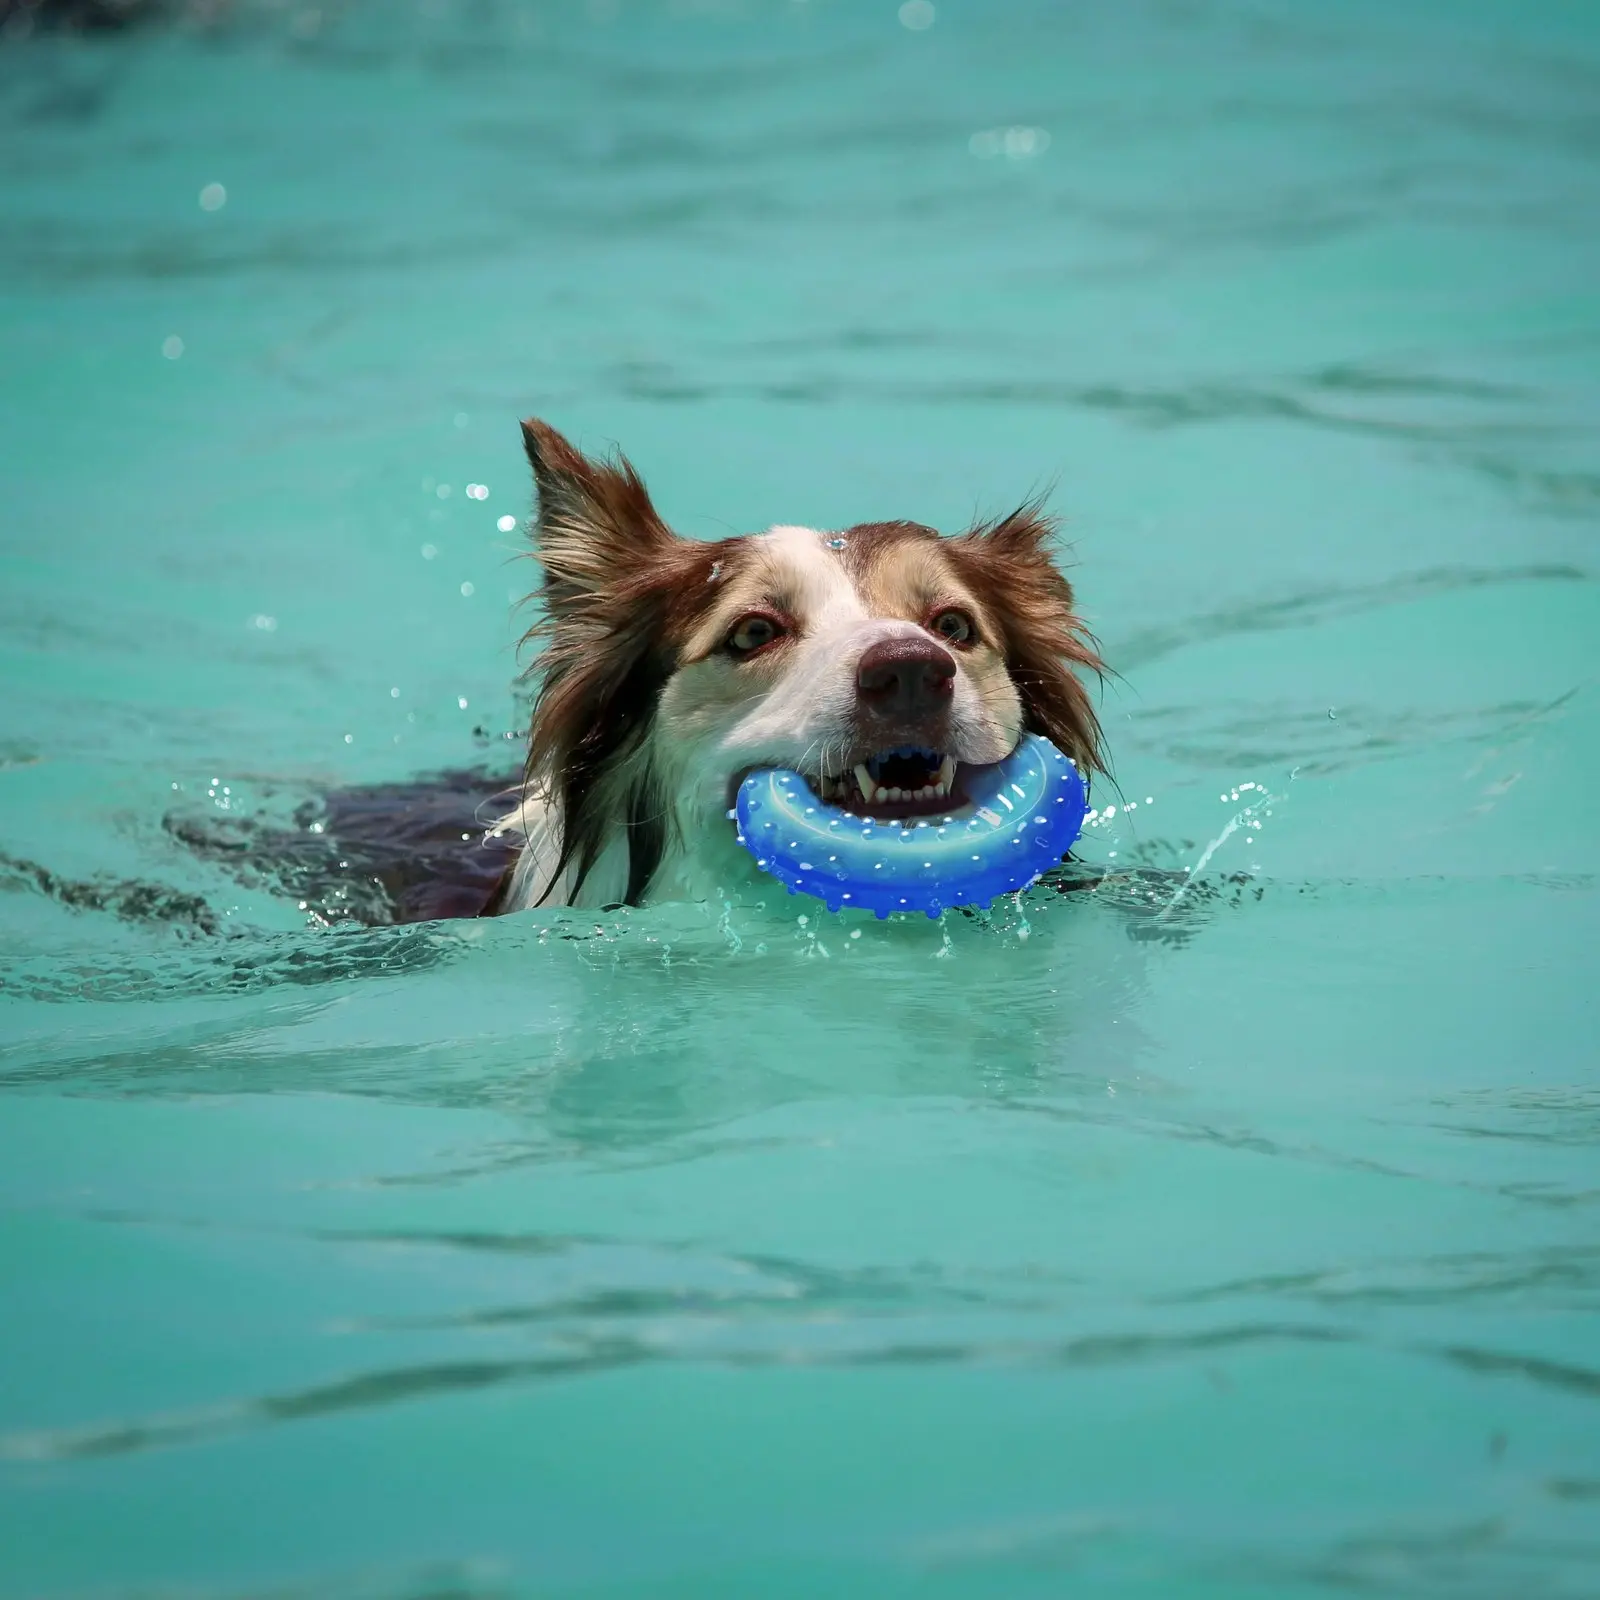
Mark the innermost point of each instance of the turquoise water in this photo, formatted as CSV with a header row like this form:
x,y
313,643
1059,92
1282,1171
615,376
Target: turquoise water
x,y
1234,1236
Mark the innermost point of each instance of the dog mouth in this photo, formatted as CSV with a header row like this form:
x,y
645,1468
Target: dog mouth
x,y
907,781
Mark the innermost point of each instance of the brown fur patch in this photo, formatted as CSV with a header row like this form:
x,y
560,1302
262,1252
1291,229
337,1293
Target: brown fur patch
x,y
866,543
621,591
1008,565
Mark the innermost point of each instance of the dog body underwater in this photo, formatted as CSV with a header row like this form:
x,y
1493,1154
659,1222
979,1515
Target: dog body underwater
x,y
882,661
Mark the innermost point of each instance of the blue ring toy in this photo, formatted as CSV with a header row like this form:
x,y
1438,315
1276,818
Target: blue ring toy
x,y
1019,818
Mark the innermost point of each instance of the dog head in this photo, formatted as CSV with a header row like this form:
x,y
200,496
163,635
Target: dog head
x,y
879,661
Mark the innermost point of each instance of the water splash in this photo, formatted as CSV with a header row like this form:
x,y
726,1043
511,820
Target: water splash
x,y
1245,817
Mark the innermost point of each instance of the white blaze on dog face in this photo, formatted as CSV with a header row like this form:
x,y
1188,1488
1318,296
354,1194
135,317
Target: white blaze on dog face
x,y
824,600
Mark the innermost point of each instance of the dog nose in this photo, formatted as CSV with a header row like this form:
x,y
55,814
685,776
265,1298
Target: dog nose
x,y
905,677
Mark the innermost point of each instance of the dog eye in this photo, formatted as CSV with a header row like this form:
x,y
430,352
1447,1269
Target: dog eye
x,y
955,626
753,633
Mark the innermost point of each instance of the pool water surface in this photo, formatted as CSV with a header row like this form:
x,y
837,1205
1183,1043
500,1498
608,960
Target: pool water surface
x,y
1233,1229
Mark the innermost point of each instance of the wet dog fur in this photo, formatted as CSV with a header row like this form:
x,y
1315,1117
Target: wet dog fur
x,y
671,667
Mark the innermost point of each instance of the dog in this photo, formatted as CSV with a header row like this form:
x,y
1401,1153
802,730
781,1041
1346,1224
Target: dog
x,y
881,661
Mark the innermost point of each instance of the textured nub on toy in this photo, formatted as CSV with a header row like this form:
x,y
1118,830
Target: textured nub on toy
x,y
1010,824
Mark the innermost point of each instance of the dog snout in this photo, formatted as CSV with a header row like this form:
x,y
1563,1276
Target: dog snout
x,y
905,677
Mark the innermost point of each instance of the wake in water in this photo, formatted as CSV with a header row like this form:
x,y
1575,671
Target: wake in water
x,y
399,870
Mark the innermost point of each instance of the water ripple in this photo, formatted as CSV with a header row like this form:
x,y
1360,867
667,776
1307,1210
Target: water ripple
x,y
595,1353
1328,602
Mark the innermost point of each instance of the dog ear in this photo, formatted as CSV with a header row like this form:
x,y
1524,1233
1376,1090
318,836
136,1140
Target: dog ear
x,y
1010,565
595,522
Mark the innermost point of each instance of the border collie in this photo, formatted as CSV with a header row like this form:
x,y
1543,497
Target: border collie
x,y
880,660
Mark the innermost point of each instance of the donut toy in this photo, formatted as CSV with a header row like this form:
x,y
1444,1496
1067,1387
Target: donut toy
x,y
1006,825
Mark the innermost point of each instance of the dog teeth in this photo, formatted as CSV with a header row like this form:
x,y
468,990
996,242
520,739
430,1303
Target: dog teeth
x,y
936,787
